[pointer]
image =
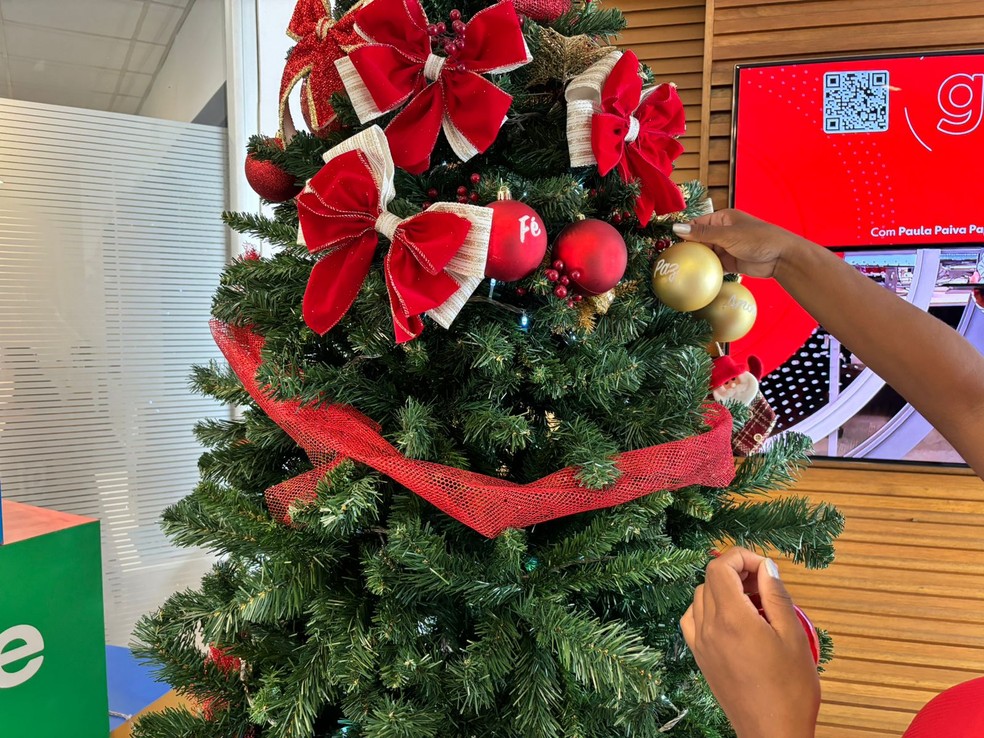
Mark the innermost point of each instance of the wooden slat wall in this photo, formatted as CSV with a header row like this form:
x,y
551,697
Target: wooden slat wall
x,y
740,31
668,35
904,599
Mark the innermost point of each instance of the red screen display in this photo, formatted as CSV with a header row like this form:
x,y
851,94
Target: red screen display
x,y
866,152
873,152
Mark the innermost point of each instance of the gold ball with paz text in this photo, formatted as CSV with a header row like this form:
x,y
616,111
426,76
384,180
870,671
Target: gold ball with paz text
x,y
687,276
731,314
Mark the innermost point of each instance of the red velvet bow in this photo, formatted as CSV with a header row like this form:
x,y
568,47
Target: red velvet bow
x,y
339,211
397,67
320,41
636,133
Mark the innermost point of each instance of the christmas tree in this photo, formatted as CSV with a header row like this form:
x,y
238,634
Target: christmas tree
x,y
478,469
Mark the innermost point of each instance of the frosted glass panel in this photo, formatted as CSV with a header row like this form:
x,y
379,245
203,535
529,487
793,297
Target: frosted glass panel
x,y
110,248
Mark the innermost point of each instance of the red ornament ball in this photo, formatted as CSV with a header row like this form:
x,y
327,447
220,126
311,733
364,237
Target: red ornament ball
x,y
560,291
518,241
595,252
270,181
476,178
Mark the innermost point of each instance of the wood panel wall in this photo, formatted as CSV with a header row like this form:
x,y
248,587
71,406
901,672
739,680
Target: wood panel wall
x,y
668,35
904,599
741,31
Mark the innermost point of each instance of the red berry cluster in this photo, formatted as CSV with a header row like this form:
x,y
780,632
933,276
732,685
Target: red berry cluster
x,y
619,218
657,247
564,290
463,193
452,43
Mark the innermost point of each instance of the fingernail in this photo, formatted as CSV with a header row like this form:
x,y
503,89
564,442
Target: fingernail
x,y
770,566
681,229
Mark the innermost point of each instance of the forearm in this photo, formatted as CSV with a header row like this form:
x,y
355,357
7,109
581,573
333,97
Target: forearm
x,y
927,362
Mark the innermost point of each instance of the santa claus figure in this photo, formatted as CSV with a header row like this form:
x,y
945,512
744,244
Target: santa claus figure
x,y
736,380
739,381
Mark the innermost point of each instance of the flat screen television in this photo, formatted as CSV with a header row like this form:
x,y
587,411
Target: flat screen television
x,y
879,158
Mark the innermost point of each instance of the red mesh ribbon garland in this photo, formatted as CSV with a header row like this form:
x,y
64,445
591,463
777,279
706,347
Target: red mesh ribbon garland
x,y
332,433
542,11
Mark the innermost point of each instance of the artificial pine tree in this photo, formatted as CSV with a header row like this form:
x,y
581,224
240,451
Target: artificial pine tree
x,y
390,564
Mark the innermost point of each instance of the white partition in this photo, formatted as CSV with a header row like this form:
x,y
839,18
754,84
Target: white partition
x,y
110,249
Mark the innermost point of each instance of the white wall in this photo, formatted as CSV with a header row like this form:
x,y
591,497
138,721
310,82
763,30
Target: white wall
x,y
195,68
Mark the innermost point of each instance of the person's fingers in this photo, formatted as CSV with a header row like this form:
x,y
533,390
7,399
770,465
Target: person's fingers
x,y
689,627
698,604
728,262
702,232
708,608
732,568
776,601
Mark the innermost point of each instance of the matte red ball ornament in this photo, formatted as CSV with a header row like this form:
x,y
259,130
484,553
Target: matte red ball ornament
x,y
518,241
593,250
270,181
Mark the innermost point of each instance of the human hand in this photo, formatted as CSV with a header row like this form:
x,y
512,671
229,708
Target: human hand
x,y
744,243
761,670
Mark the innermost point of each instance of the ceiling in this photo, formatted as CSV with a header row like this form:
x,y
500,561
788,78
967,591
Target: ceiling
x,y
97,54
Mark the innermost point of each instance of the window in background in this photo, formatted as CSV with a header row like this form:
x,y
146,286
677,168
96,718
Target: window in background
x,y
110,248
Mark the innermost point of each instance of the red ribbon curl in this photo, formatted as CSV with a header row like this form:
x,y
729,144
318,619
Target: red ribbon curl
x,y
320,41
339,212
397,67
644,149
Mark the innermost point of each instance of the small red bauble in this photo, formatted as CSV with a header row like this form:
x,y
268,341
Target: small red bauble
x,y
270,181
593,250
462,190
552,275
518,241
560,291
476,178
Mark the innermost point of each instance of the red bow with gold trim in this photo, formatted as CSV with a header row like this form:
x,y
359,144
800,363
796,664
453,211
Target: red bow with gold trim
x,y
436,258
613,122
320,41
398,67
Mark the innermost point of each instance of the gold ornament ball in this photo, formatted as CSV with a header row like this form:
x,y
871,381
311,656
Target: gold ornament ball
x,y
731,314
687,276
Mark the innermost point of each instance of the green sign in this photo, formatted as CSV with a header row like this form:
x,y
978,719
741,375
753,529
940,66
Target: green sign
x,y
52,643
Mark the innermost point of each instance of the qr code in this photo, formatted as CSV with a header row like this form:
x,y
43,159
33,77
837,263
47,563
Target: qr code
x,y
855,102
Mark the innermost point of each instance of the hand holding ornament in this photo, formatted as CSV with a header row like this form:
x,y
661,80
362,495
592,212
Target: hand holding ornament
x,y
745,244
760,668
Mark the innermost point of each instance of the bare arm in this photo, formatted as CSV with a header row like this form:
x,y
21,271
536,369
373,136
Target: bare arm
x,y
926,361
